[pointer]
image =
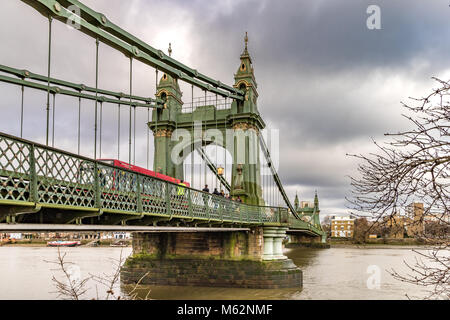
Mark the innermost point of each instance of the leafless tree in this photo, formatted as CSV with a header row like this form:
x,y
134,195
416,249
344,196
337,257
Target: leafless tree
x,y
72,288
360,230
413,166
326,225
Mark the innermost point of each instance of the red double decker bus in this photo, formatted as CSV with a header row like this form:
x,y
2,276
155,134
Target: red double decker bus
x,y
123,181
122,164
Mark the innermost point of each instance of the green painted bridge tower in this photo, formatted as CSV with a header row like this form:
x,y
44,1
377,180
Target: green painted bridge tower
x,y
178,131
309,212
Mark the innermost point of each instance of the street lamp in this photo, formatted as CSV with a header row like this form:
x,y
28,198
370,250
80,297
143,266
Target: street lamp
x,y
220,171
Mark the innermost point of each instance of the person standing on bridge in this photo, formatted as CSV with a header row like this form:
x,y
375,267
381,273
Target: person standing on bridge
x,y
180,191
216,201
205,197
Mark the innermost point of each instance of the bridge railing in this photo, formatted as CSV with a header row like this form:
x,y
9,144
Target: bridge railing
x,y
34,173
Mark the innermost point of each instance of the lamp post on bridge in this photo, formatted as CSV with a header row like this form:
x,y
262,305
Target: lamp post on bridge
x,y
220,172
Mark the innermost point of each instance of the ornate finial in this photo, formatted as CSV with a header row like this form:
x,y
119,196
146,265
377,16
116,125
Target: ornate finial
x,y
316,200
170,49
246,40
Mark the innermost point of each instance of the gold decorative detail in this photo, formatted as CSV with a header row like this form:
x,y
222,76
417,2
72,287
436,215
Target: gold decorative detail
x,y
245,127
163,133
246,40
240,82
240,126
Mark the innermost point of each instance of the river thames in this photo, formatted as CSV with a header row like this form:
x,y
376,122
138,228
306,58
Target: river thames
x,y
335,273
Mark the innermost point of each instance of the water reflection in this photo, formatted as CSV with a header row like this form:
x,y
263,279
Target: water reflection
x,y
336,273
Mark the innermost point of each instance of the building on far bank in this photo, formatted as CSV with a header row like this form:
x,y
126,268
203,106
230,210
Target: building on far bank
x,y
411,224
118,235
414,224
440,218
342,227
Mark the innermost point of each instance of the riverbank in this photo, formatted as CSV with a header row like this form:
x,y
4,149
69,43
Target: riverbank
x,y
34,243
335,273
381,246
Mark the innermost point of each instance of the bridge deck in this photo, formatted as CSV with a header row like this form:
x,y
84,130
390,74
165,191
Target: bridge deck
x,y
25,227
34,177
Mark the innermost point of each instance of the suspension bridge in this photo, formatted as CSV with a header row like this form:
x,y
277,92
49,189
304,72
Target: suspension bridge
x,y
42,185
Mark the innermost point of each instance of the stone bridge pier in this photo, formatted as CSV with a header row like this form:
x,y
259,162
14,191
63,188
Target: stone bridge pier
x,y
252,258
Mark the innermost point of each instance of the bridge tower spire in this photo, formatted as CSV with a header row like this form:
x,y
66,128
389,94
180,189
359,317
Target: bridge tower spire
x,y
247,124
163,124
316,201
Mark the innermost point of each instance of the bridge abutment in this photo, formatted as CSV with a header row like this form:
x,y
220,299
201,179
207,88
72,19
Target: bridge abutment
x,y
247,259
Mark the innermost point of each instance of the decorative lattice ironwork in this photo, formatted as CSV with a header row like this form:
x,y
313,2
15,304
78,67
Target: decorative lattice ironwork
x,y
34,173
14,170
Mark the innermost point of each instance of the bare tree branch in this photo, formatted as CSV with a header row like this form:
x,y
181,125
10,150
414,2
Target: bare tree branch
x,y
413,166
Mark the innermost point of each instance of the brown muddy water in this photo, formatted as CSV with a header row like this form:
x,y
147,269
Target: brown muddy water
x,y
336,273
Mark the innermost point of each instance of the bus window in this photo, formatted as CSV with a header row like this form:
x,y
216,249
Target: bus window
x,y
111,162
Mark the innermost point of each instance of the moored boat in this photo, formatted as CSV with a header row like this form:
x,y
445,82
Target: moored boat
x,y
120,243
63,243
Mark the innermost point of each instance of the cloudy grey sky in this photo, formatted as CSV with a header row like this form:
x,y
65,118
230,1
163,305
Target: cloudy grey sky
x,y
325,81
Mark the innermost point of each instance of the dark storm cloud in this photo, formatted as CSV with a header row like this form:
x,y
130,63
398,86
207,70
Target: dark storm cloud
x,y
325,81
326,35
